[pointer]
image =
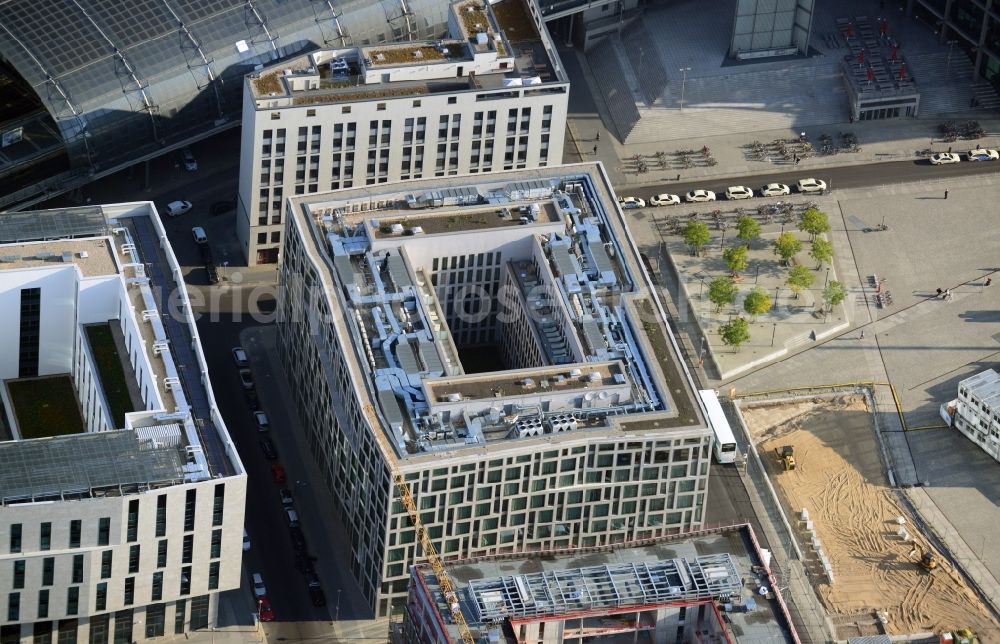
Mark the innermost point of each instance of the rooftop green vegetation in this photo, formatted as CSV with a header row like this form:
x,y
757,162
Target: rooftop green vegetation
x,y
676,383
515,21
45,407
385,92
404,55
269,84
110,372
474,17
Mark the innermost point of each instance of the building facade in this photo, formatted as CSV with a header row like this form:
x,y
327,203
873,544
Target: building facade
x,y
126,527
481,100
973,26
977,411
578,443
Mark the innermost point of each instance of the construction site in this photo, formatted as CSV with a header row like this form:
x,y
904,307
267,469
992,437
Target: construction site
x,y
871,566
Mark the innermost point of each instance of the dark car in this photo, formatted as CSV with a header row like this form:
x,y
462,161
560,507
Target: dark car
x,y
277,474
317,596
212,273
206,254
222,207
252,402
270,453
298,538
286,497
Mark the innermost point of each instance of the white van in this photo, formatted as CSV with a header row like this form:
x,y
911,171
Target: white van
x,y
177,208
199,235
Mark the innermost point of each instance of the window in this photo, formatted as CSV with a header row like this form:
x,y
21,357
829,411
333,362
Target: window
x,y
123,627
187,549
48,570
310,112
452,100
74,533
106,561
31,305
72,600
99,629
14,607
180,610
216,544
101,596
15,537
133,520
213,575
43,603
104,531
275,238
380,107
19,574
133,558
45,536
416,103
157,592
77,569
275,116
186,580
199,613
190,500
345,109
156,617
129,590
161,515
262,237
161,553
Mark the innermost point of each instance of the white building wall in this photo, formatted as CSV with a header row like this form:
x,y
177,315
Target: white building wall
x,y
96,415
58,317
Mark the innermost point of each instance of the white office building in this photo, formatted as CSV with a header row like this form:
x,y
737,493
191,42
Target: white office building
x,y
976,412
495,341
121,494
489,96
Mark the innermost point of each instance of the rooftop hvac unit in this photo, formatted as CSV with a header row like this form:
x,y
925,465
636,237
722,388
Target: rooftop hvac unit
x,y
45,255
454,397
9,258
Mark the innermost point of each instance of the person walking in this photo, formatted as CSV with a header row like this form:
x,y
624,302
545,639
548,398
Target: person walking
x,y
989,280
862,335
598,137
940,292
595,154
945,192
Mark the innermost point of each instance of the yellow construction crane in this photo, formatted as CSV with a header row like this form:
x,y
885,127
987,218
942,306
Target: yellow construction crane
x,y
430,552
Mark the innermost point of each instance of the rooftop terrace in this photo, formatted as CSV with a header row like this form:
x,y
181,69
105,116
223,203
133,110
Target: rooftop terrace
x,y
526,381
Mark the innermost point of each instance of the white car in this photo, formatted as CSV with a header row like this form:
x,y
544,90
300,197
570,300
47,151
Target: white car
x,y
944,158
774,190
664,200
259,591
699,195
983,155
177,208
628,203
240,357
199,235
739,192
263,424
246,540
811,185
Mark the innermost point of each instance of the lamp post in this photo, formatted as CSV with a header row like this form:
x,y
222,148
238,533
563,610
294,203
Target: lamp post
x,y
337,613
684,71
947,67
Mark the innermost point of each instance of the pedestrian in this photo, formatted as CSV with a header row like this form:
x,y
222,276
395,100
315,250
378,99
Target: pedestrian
x,y
989,280
979,146
947,295
598,137
949,149
595,153
862,335
939,292
795,157
851,118
945,194
678,177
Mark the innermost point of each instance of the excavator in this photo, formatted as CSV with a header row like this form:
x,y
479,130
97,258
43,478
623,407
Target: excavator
x,y
926,560
786,454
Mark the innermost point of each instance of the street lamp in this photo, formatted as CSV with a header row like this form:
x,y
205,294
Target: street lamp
x,y
947,67
684,71
337,614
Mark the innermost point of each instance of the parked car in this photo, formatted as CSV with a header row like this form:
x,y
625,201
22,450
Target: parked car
x,y
246,378
251,396
628,203
212,274
298,539
811,185
286,497
293,518
739,192
260,418
266,446
246,540
178,208
206,253
699,195
199,235
775,190
278,474
264,611
259,590
664,200
240,357
945,158
983,155
190,163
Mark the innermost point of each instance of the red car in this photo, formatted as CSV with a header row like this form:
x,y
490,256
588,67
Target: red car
x,y
264,610
278,474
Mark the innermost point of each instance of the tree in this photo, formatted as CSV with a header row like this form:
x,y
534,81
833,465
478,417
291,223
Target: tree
x,y
756,302
747,229
786,246
814,222
821,251
735,333
800,278
696,236
722,291
833,294
736,259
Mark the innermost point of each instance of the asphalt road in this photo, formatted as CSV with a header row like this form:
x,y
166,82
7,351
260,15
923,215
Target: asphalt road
x,y
853,176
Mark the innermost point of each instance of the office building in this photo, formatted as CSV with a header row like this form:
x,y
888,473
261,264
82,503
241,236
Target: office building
x,y
769,29
972,26
673,590
976,412
494,340
490,96
122,494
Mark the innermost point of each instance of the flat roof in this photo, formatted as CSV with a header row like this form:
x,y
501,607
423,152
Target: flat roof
x,y
94,256
536,381
457,219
